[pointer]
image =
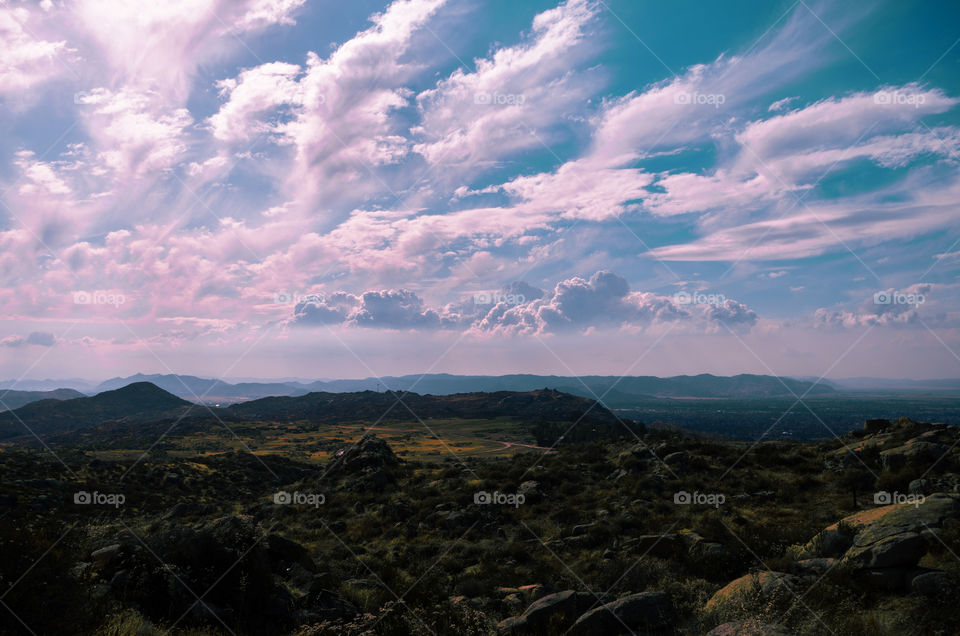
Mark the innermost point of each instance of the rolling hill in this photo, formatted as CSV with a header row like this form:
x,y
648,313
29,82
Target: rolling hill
x,y
135,402
615,390
11,399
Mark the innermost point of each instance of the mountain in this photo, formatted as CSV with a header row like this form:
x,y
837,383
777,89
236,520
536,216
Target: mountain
x,y
209,390
615,390
139,401
77,384
10,399
619,390
896,385
543,404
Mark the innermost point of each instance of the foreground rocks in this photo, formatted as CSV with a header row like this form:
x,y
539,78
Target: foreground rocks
x,y
241,574
750,591
582,614
884,545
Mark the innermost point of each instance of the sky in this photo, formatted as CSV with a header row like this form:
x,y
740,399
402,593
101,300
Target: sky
x,y
315,188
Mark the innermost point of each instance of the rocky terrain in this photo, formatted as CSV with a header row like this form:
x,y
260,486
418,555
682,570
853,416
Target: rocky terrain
x,y
654,534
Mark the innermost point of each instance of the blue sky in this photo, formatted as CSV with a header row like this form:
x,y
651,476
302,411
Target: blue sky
x,y
301,187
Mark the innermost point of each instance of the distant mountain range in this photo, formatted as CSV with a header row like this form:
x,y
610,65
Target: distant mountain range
x,y
614,390
139,401
10,400
143,405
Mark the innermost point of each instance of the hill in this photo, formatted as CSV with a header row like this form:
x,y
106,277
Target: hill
x,y
10,399
546,404
139,401
617,391
192,387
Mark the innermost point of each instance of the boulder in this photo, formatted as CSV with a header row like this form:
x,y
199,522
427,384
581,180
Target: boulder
x,y
931,584
646,611
368,453
892,579
104,557
556,611
892,536
913,452
751,627
750,590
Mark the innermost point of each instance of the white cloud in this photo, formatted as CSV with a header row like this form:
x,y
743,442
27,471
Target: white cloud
x,y
25,60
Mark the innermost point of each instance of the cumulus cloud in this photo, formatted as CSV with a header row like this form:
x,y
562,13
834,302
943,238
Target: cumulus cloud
x,y
36,338
891,308
604,301
511,99
263,13
387,309
137,132
338,113
25,60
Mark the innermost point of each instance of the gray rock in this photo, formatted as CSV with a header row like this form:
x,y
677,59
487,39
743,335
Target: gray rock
x,y
751,627
931,584
749,591
644,611
105,556
558,611
904,549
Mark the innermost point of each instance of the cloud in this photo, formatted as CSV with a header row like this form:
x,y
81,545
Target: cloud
x,y
911,306
264,13
604,301
388,309
37,338
337,114
250,94
25,60
135,130
513,98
